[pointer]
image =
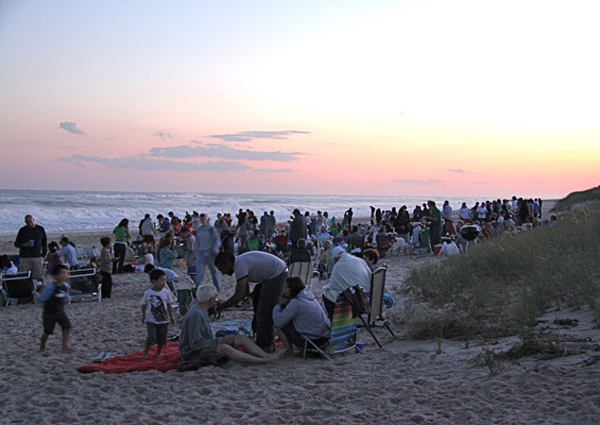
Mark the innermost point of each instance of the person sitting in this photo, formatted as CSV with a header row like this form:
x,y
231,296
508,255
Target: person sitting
x,y
371,257
298,313
356,240
301,253
348,271
322,233
7,265
68,253
196,341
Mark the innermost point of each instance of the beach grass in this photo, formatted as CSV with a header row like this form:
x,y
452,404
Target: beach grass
x,y
501,286
578,198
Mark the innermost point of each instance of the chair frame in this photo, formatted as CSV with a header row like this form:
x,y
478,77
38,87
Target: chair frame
x,y
376,318
7,278
84,296
342,336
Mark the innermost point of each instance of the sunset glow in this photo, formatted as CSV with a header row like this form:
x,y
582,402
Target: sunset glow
x,y
357,97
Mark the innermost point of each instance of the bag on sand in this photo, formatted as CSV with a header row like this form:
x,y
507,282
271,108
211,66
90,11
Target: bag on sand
x,y
358,300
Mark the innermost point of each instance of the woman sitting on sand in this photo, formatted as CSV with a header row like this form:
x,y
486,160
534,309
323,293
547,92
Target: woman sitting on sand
x,y
298,313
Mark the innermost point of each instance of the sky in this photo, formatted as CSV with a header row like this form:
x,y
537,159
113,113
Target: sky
x,y
414,97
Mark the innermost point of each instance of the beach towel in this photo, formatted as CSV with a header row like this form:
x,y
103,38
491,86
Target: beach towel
x,y
134,362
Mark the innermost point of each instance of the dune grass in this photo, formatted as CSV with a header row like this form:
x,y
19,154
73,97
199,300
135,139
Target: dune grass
x,y
501,286
575,198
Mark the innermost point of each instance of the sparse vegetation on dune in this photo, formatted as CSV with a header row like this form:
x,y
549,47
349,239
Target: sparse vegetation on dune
x,y
501,286
574,199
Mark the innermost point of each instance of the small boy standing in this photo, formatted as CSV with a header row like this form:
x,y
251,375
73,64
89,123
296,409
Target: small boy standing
x,y
156,319
106,266
54,297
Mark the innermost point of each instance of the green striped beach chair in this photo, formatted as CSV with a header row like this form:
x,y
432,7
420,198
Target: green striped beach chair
x,y
342,335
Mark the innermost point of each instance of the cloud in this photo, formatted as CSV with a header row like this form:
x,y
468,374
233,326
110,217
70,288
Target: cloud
x,y
71,127
458,171
419,182
275,170
164,135
248,136
146,163
69,147
222,151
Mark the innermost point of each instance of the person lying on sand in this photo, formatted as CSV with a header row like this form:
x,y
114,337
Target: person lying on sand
x,y
196,341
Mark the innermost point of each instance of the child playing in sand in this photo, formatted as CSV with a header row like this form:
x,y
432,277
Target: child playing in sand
x,y
197,342
54,297
160,300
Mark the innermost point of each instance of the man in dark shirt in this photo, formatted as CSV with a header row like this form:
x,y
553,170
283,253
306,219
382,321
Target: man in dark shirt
x,y
32,243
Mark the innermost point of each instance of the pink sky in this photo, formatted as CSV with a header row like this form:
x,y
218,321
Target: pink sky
x,y
382,97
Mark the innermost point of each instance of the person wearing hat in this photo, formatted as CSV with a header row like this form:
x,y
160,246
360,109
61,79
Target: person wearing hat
x,y
297,228
348,271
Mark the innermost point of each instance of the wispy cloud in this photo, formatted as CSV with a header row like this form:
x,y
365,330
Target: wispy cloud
x,y
200,150
275,170
418,182
458,171
164,135
248,136
146,163
71,127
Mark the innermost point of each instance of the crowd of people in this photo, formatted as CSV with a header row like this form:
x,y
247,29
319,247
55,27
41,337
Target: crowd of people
x,y
348,253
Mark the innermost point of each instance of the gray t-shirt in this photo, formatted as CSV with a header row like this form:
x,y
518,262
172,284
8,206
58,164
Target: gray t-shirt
x,y
258,266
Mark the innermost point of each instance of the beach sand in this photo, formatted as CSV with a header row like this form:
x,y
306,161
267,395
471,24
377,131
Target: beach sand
x,y
434,382
405,382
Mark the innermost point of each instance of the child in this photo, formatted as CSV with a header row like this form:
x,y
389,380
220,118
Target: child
x,y
188,249
106,266
55,296
156,319
166,253
197,342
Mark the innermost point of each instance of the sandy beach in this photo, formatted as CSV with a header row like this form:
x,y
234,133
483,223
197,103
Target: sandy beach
x,y
436,382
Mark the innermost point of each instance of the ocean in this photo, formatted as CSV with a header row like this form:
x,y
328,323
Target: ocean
x,y
76,211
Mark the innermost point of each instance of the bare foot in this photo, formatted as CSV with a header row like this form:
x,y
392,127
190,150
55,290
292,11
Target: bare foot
x,y
284,354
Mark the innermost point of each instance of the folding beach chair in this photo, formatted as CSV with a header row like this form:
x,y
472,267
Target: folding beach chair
x,y
184,291
81,253
16,286
342,335
384,242
83,286
305,271
376,318
423,245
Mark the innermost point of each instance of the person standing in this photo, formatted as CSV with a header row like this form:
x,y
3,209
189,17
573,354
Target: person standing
x,y
297,228
208,242
147,230
447,216
32,243
122,236
271,223
269,273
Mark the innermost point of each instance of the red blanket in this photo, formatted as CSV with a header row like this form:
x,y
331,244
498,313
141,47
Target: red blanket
x,y
168,360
